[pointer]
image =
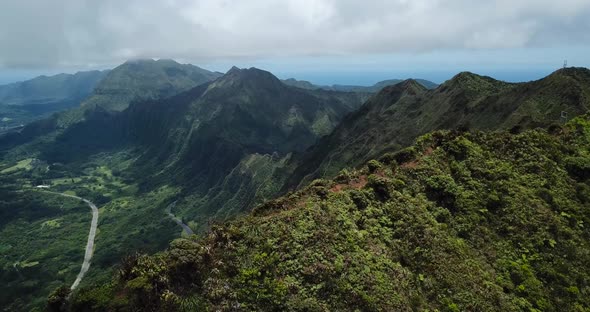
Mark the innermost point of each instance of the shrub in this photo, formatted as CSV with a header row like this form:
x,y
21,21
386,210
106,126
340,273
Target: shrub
x,y
381,186
359,199
373,166
443,190
578,167
405,155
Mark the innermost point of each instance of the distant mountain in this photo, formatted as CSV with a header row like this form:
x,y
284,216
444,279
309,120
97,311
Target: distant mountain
x,y
300,84
133,81
48,89
352,88
146,79
397,115
26,101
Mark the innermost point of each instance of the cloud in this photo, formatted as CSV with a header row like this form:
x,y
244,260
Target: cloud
x,y
40,33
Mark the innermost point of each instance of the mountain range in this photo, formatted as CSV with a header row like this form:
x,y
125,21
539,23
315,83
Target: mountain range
x,y
351,189
352,88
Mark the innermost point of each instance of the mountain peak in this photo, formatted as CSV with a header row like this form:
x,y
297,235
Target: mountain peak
x,y
408,86
468,81
249,76
468,75
233,69
573,72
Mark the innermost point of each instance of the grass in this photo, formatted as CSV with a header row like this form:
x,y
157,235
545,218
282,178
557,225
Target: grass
x,y
24,164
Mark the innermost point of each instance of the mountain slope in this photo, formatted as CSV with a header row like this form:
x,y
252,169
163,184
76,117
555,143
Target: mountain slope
x,y
398,114
220,130
481,221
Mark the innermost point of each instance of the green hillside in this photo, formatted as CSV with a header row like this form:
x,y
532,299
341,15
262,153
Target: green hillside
x,y
460,221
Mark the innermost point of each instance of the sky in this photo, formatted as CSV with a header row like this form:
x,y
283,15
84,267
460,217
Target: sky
x,y
324,41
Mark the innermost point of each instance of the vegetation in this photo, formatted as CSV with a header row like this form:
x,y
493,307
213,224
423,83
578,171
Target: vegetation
x,y
460,221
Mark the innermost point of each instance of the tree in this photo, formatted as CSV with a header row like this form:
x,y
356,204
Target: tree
x,y
57,300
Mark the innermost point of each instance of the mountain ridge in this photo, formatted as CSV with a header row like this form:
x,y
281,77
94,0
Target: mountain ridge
x,y
466,100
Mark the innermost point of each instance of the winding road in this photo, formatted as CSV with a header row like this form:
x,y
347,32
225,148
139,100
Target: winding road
x,y
185,227
89,243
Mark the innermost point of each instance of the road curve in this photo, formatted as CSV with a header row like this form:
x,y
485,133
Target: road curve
x,y
185,227
89,243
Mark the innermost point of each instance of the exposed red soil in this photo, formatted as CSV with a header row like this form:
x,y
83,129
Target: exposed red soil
x,y
361,181
413,164
356,183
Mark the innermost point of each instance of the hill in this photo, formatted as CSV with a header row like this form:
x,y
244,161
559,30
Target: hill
x,y
460,221
396,116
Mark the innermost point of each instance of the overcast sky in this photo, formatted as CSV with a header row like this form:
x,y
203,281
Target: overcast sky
x,y
322,40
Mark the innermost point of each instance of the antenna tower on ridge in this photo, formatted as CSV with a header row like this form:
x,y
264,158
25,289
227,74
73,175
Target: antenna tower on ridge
x,y
565,64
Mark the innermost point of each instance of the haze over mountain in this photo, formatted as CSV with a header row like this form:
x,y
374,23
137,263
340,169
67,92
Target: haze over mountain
x,y
44,89
23,102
